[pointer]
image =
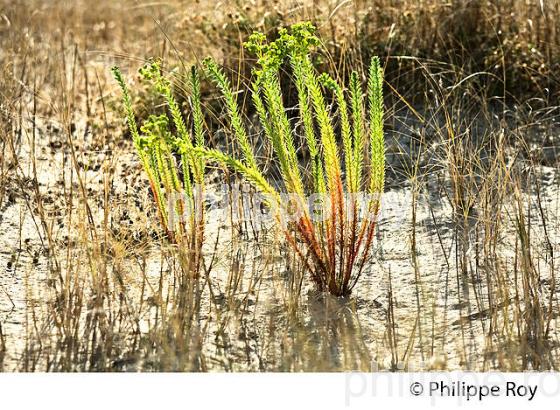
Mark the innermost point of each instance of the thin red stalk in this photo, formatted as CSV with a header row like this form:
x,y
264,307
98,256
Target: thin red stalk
x,y
371,232
292,241
352,250
342,242
331,236
308,236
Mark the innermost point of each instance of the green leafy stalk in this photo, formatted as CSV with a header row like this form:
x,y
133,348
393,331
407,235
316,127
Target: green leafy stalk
x,y
358,129
377,142
306,114
330,83
224,85
198,120
253,175
142,144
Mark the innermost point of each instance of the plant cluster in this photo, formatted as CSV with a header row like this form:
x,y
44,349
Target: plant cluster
x,y
175,174
330,233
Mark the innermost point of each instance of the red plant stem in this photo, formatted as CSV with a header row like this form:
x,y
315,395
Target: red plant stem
x,y
306,230
352,250
331,241
365,254
293,242
342,241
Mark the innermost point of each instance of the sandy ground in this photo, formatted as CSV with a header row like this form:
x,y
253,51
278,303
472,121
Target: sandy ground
x,y
438,316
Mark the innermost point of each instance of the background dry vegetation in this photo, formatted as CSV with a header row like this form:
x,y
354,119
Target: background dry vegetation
x,y
464,279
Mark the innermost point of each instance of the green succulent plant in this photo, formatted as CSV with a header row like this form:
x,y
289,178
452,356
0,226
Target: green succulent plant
x,y
334,248
169,161
330,233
